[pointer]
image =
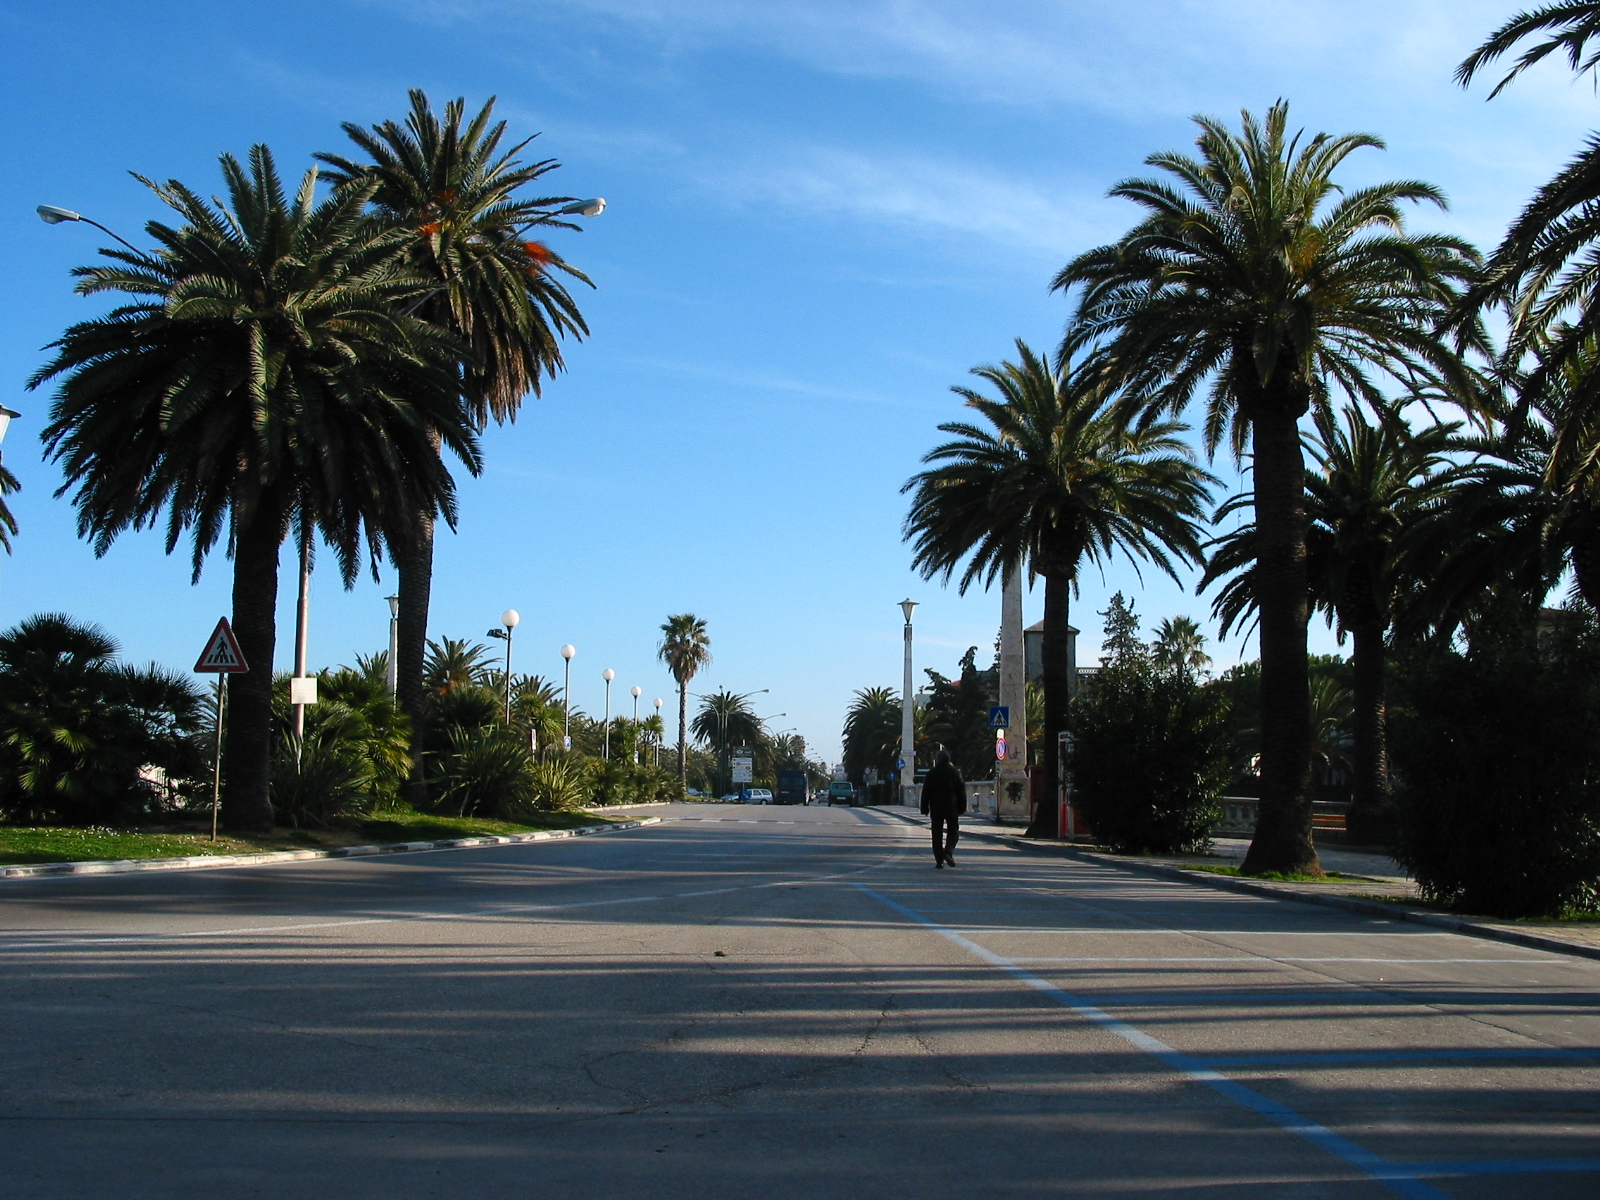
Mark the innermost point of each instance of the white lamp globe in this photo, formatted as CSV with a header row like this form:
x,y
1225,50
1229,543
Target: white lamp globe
x,y
510,617
568,652
608,674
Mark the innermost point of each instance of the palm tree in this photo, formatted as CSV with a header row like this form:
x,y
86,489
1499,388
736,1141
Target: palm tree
x,y
454,663
1255,276
1180,646
686,650
1372,489
8,523
872,733
452,194
724,720
1061,476
263,370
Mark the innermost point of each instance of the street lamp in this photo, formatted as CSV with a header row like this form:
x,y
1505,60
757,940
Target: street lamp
x,y
567,652
608,675
394,646
583,208
509,619
636,691
661,731
51,215
908,749
5,420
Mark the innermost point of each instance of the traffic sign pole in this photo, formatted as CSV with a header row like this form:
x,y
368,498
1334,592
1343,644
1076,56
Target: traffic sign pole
x,y
221,657
216,764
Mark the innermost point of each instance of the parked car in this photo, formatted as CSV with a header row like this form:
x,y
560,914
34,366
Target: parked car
x,y
755,796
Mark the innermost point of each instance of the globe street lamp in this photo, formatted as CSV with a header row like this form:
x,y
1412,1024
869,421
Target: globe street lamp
x,y
608,675
509,619
908,749
51,215
661,731
636,691
393,673
567,653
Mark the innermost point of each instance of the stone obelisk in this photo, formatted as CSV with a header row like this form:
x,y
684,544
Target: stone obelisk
x,y
1011,790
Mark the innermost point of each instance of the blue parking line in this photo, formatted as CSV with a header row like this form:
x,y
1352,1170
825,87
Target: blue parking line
x,y
1398,1178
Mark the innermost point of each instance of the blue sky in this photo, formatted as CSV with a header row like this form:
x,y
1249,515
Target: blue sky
x,y
823,213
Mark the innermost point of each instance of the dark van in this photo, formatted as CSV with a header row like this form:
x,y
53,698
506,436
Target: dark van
x,y
793,788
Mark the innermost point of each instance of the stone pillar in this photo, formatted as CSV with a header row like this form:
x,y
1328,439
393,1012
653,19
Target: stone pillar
x,y
1011,791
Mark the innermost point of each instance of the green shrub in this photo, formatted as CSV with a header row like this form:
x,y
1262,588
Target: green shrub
x,y
1152,752
1496,766
332,776
481,771
80,732
560,784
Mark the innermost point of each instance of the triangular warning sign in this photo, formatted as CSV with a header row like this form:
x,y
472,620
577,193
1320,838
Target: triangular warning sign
x,y
222,654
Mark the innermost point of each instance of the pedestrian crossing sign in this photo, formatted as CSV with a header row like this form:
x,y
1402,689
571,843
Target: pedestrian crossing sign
x,y
999,716
222,655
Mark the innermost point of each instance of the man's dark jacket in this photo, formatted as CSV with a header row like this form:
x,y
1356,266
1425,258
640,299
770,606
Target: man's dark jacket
x,y
943,792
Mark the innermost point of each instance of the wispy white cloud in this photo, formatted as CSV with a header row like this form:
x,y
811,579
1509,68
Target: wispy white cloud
x,y
920,193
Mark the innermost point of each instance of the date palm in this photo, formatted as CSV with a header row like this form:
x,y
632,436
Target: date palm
x,y
452,193
872,733
8,523
1372,487
1060,475
726,719
1180,646
686,650
1258,279
262,369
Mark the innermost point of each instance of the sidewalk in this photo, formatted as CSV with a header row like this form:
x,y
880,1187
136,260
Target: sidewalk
x,y
1379,886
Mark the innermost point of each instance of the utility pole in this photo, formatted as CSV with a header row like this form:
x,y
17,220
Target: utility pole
x,y
908,708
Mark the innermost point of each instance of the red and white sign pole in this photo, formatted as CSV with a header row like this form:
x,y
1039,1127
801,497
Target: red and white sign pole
x,y
221,657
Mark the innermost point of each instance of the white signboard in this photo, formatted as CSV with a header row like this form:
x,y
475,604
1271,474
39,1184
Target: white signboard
x,y
744,770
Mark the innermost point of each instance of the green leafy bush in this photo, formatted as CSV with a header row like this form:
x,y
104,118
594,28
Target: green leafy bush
x,y
560,784
85,740
1496,764
331,776
483,771
1152,752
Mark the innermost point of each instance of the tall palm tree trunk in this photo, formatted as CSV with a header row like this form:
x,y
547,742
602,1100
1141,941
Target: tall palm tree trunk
x,y
1367,821
1283,831
683,735
415,566
1056,673
247,757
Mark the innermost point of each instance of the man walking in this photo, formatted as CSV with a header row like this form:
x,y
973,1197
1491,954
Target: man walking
x,y
944,799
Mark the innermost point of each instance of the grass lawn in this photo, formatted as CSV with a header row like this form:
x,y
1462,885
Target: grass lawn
x,y
182,839
1278,876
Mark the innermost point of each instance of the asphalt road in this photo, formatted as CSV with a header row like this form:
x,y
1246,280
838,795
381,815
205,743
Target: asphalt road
x,y
776,1003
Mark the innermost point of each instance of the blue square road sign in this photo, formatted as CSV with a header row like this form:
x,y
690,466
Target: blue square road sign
x,y
1000,717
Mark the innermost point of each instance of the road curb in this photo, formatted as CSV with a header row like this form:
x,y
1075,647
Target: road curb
x,y
1531,941
196,862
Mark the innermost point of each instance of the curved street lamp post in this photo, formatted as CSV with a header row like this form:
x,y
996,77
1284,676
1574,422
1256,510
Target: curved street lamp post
x,y
509,619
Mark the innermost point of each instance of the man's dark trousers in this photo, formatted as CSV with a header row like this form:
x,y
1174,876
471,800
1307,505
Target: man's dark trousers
x,y
947,825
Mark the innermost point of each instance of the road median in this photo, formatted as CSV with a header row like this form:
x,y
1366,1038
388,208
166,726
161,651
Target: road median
x,y
198,862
